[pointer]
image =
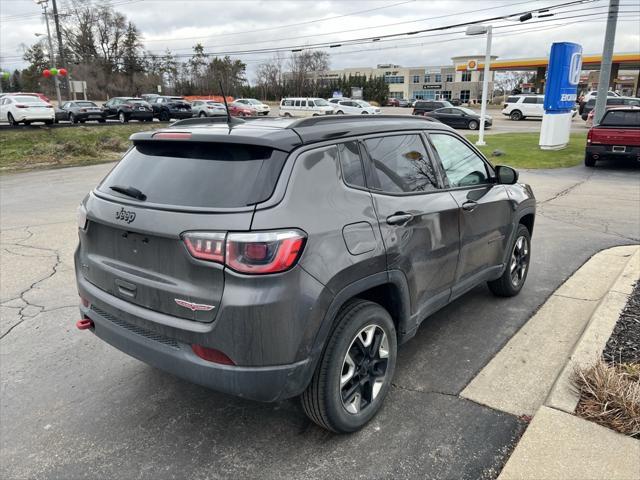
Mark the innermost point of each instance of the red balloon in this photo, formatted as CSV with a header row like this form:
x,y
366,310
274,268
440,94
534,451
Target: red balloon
x,y
62,72
46,73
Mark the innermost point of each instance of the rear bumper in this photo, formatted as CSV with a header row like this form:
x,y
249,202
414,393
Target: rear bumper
x,y
180,114
630,153
35,117
265,384
139,115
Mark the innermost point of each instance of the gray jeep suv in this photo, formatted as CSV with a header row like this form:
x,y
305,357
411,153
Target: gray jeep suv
x,y
276,258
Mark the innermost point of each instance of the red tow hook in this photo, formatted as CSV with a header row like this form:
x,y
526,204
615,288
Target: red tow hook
x,y
84,324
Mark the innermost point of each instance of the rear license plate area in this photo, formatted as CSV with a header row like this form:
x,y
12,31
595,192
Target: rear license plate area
x,y
619,149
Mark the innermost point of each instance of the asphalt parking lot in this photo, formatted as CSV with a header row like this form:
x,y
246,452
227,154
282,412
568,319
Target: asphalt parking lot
x,y
73,407
501,124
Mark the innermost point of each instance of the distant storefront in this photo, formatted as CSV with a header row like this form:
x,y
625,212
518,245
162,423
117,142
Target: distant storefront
x,y
422,83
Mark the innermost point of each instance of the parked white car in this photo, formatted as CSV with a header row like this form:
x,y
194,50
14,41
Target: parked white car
x,y
257,105
355,107
25,109
304,107
207,108
518,107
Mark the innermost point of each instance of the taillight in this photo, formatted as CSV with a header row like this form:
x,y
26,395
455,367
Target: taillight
x,y
205,245
252,253
264,252
589,135
83,109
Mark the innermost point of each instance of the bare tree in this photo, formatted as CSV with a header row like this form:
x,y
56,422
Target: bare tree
x,y
305,67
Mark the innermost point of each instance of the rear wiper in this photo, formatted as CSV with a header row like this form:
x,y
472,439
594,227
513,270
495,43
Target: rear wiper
x,y
129,191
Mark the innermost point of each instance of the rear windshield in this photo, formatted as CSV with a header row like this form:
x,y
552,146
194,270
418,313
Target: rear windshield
x,y
621,118
197,174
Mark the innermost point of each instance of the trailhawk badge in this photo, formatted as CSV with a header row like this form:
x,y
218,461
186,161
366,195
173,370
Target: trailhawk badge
x,y
194,307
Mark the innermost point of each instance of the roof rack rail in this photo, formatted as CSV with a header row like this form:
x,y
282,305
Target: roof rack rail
x,y
205,121
310,121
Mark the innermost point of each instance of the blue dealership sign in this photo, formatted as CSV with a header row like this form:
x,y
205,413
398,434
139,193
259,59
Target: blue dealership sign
x,y
563,76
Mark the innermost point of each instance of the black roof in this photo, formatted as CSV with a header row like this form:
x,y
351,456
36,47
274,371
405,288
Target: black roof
x,y
288,133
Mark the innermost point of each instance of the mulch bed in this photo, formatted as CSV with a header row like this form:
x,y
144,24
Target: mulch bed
x,y
624,344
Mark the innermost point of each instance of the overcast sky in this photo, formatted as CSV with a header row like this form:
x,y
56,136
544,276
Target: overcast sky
x,y
223,26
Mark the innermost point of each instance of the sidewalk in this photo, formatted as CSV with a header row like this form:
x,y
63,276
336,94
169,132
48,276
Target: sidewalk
x,y
531,376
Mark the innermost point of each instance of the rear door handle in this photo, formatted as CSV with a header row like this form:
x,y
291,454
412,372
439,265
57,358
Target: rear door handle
x,y
469,205
399,218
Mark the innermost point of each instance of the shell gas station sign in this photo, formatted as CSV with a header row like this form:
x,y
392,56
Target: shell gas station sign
x,y
472,65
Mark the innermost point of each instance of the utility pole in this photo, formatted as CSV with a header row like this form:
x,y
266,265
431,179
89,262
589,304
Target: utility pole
x,y
62,64
607,56
43,4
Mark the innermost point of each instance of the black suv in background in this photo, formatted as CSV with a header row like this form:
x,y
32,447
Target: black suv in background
x,y
274,258
128,108
420,107
168,108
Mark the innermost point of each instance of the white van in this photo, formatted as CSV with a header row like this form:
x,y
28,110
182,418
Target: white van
x,y
304,107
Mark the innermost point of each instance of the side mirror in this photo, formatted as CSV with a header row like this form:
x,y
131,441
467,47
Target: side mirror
x,y
506,175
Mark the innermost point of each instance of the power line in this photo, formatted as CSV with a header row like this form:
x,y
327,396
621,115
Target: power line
x,y
343,31
359,29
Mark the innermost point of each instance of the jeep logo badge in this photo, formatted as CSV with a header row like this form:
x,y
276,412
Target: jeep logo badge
x,y
126,215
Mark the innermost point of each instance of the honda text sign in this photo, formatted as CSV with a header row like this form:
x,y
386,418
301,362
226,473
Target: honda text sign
x,y
563,76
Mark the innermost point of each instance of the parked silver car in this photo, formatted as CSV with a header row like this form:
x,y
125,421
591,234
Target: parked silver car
x,y
207,108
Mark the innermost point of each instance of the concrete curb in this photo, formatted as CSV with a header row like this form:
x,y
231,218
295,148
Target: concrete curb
x,y
594,339
520,376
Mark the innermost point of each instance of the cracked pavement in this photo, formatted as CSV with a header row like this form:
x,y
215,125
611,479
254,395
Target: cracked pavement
x,y
73,407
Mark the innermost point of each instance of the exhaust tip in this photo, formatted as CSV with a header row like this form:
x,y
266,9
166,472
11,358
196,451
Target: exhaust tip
x,y
84,324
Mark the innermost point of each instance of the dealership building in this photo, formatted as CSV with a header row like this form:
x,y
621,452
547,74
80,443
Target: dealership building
x,y
429,82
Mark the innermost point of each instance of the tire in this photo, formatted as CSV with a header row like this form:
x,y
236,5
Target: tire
x,y
82,121
122,118
164,116
72,118
48,122
472,125
202,115
11,120
589,161
339,112
365,113
102,120
516,115
287,114
359,322
507,285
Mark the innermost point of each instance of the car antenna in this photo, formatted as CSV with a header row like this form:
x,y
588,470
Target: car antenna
x,y
230,119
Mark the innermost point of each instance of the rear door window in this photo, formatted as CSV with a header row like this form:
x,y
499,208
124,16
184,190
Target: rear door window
x,y
512,99
197,174
352,171
401,164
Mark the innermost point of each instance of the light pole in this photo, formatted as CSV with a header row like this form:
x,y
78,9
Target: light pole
x,y
481,30
43,4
